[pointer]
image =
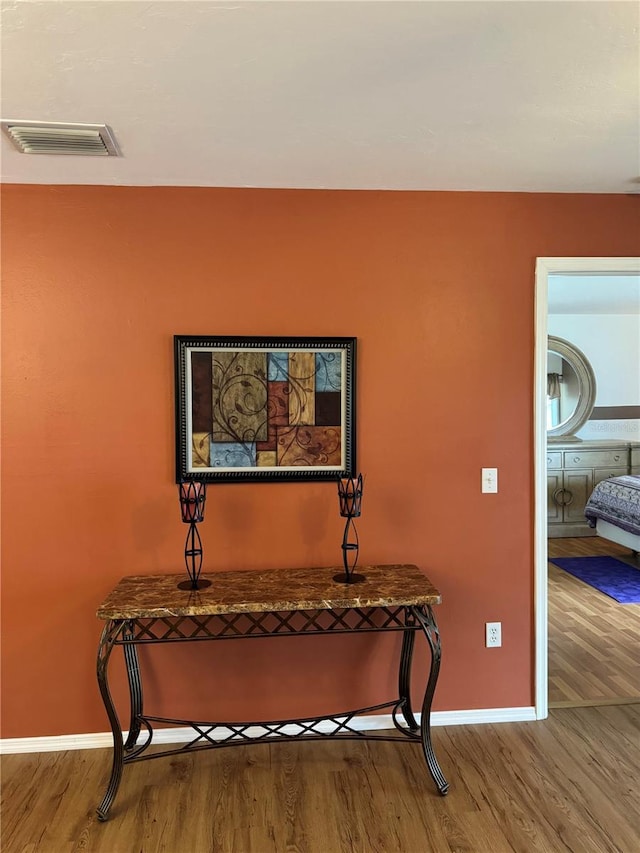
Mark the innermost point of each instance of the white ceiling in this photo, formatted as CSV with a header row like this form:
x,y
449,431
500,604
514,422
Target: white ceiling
x,y
503,96
594,294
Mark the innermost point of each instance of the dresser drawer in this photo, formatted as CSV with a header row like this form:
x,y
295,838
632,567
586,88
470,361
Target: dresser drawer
x,y
606,473
596,458
635,460
554,460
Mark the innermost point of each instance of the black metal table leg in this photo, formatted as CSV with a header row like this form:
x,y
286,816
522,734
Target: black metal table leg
x,y
425,617
110,634
404,675
135,686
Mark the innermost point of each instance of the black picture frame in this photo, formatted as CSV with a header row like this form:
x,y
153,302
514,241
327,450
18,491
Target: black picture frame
x,y
264,409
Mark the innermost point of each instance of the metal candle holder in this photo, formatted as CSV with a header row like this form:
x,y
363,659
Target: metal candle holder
x,y
193,495
350,495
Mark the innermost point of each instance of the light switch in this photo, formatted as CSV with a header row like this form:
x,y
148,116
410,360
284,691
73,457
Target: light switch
x,y
490,480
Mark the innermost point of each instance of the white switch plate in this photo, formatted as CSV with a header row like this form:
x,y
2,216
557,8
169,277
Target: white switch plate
x,y
493,634
490,480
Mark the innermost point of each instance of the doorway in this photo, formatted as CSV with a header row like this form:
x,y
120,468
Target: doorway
x,y
545,267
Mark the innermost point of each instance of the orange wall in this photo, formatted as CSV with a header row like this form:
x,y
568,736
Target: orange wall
x,y
439,290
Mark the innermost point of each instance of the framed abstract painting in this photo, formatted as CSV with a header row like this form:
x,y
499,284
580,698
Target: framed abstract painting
x,y
264,408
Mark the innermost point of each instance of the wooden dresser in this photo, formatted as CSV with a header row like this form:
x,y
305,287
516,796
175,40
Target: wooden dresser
x,y
573,469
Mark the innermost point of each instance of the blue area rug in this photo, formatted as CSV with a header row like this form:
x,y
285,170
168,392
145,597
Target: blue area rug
x,y
613,577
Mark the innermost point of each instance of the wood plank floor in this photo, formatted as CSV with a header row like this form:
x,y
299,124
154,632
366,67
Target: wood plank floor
x,y
569,783
594,642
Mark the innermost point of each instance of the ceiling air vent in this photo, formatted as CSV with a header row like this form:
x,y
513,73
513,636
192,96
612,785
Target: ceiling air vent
x,y
54,137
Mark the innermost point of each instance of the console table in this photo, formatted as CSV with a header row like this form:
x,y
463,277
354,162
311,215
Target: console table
x,y
251,604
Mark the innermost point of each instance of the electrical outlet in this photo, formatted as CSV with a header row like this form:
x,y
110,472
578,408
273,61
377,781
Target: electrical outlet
x,y
490,480
493,634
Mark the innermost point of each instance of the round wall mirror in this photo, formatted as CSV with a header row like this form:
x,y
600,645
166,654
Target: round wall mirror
x,y
571,388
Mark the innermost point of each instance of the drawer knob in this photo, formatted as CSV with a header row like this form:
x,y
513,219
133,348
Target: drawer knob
x,y
616,458
576,458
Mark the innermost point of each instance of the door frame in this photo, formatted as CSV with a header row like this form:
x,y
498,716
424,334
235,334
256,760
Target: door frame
x,y
544,268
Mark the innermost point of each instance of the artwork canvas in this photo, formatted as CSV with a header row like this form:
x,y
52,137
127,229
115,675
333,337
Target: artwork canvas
x,y
263,408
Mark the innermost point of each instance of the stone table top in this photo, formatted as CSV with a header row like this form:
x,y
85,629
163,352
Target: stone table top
x,y
154,596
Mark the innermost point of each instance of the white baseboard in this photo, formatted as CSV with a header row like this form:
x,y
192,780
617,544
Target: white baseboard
x,y
483,715
102,740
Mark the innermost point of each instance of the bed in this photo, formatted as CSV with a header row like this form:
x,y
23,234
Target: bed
x,y
614,510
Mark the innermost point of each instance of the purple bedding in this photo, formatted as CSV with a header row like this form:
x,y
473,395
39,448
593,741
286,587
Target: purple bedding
x,y
616,500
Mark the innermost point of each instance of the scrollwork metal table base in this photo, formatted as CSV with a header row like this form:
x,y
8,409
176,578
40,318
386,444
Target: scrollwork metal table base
x,y
133,617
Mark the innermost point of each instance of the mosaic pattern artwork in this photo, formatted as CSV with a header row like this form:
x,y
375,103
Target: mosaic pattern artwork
x,y
265,411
